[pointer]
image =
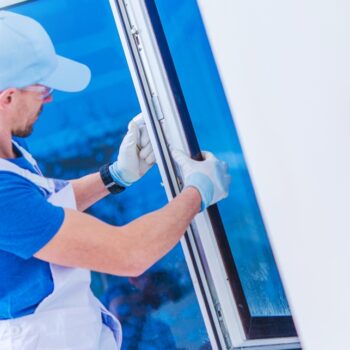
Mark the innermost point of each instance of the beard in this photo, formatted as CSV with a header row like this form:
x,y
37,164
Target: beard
x,y
24,132
28,129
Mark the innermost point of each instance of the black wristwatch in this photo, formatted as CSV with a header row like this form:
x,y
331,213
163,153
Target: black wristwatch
x,y
108,181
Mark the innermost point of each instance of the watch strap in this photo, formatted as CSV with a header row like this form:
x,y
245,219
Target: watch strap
x,y
108,181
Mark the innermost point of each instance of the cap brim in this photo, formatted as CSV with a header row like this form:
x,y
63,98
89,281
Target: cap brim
x,y
69,76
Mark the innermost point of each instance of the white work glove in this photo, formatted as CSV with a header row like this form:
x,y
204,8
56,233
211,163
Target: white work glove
x,y
209,176
135,156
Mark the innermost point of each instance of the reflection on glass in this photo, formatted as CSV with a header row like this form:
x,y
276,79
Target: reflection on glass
x,y
75,135
216,132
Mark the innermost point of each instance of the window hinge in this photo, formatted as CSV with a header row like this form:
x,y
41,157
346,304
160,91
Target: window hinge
x,y
136,36
223,327
157,107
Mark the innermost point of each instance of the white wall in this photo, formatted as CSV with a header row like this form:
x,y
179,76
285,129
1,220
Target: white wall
x,y
285,66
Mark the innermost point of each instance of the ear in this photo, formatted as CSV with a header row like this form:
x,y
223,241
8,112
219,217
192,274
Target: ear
x,y
6,98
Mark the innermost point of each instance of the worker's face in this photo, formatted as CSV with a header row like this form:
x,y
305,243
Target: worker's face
x,y
27,106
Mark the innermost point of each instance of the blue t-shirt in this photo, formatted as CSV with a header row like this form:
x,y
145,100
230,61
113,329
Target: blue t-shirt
x,y
27,223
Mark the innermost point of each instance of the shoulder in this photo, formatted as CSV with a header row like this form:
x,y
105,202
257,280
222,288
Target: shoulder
x,y
27,220
12,184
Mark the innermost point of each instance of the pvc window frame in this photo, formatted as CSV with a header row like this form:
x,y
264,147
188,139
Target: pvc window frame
x,y
161,112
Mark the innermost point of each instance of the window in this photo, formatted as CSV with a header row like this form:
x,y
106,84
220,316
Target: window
x,y
174,67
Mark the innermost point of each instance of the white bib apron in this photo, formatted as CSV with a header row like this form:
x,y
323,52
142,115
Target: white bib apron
x,y
71,317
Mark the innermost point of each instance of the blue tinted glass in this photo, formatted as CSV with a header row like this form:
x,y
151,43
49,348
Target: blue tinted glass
x,y
216,132
75,135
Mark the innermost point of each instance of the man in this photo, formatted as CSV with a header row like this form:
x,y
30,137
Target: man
x,y
47,245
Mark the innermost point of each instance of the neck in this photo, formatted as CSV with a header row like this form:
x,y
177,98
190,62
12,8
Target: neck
x,y
6,147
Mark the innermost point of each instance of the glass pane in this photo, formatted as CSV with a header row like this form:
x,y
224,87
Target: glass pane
x,y
75,135
216,132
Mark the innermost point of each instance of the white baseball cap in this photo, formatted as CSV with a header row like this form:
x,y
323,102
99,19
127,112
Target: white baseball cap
x,y
28,57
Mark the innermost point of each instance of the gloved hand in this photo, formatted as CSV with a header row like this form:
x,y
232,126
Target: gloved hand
x,y
135,156
209,176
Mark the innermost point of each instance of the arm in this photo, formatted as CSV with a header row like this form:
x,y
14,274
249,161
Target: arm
x,y
127,250
83,241
88,190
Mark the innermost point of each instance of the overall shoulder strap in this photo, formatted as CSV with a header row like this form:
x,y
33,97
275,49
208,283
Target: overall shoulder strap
x,y
40,181
28,157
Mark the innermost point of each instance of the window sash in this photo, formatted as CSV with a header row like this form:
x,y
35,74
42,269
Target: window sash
x,y
217,284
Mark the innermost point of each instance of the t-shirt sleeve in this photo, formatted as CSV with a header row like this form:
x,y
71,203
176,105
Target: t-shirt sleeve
x,y
27,220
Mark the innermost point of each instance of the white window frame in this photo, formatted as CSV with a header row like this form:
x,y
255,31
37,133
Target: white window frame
x,y
210,281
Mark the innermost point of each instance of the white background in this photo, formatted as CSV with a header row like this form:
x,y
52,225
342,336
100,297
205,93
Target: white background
x,y
285,68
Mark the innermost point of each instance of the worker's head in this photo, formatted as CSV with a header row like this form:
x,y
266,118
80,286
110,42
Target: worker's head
x,y
29,70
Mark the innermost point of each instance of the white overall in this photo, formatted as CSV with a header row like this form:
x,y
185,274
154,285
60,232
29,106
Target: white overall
x,y
71,318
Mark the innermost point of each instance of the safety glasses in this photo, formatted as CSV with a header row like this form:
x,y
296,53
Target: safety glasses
x,y
43,91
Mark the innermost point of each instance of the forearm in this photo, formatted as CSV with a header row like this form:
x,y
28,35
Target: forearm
x,y
88,190
155,234
86,242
